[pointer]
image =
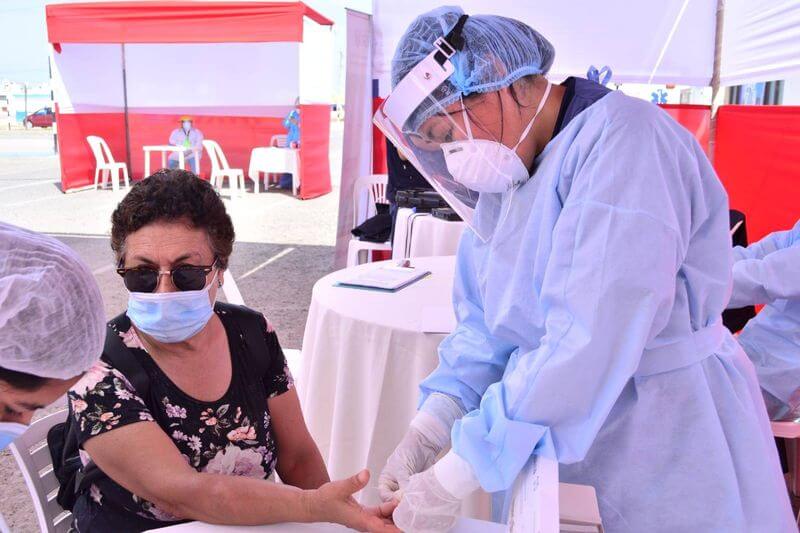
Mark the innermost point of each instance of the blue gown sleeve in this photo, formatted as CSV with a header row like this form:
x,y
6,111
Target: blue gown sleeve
x,y
767,270
771,243
470,358
608,290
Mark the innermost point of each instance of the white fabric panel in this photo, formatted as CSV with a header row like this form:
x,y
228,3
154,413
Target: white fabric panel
x,y
214,74
316,63
88,77
649,41
760,41
357,143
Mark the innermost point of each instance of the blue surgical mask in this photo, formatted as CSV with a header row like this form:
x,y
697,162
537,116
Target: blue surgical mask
x,y
9,431
171,316
187,125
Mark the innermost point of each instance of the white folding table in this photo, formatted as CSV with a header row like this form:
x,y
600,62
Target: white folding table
x,y
167,148
275,160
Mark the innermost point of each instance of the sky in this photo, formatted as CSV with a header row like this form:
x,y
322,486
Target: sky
x,y
23,34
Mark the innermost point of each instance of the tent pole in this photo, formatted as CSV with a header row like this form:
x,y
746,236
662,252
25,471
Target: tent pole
x,y
125,112
717,96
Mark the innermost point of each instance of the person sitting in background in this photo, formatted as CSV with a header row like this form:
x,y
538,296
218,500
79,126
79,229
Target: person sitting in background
x,y
768,272
52,325
191,139
220,413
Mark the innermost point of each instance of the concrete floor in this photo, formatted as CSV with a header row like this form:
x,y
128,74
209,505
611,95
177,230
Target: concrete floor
x,y
283,246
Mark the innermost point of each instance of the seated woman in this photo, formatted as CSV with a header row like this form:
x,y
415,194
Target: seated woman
x,y
219,413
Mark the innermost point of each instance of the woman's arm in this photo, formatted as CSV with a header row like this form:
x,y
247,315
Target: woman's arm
x,y
299,461
143,459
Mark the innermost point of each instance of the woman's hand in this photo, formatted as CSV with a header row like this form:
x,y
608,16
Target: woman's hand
x,y
334,502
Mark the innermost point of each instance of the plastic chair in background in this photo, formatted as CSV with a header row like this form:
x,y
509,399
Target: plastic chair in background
x,y
105,164
372,189
220,169
33,457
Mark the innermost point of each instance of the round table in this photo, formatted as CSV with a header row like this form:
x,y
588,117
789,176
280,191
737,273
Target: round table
x,y
364,354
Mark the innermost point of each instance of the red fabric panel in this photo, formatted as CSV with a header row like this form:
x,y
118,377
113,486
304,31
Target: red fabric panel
x,y
315,167
756,157
77,161
178,22
379,163
695,118
237,136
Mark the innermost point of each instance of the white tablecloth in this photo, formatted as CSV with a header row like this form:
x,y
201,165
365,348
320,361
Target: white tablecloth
x,y
364,354
464,526
422,235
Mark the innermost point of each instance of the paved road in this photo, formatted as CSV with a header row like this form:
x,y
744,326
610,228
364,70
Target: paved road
x,y
283,246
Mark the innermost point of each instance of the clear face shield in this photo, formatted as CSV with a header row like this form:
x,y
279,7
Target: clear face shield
x,y
423,144
452,147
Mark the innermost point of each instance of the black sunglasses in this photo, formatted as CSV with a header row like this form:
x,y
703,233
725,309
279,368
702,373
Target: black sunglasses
x,y
184,277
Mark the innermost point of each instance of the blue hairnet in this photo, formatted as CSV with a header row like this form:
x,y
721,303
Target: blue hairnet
x,y
497,52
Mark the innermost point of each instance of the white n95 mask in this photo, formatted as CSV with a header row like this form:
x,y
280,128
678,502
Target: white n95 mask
x,y
487,166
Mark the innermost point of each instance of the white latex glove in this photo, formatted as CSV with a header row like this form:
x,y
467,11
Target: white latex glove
x,y
415,453
426,438
431,500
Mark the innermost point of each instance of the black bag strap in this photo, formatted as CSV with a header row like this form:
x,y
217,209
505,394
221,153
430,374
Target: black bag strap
x,y
251,327
124,360
120,357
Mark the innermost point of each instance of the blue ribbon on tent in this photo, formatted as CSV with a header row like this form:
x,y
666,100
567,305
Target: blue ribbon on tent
x,y
602,76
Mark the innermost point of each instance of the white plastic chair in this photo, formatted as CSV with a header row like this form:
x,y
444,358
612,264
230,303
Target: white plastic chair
x,y
220,169
33,457
373,188
105,164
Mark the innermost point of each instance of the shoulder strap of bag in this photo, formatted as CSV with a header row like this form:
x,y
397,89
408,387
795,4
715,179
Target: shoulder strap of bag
x,y
251,327
124,360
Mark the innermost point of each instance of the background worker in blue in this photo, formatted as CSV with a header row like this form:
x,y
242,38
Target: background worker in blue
x,y
588,294
768,272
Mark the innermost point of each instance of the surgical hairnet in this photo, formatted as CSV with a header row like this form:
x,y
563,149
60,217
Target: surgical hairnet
x,y
497,52
52,322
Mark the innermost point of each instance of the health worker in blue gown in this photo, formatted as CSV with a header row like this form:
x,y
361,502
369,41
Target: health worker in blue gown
x,y
768,273
588,296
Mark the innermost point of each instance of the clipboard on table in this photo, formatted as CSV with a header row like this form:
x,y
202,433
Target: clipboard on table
x,y
385,278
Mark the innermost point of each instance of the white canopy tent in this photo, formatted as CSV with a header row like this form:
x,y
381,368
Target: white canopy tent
x,y
668,41
664,41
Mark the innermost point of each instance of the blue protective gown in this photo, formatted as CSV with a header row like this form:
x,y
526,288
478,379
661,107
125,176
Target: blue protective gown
x,y
768,272
291,123
589,331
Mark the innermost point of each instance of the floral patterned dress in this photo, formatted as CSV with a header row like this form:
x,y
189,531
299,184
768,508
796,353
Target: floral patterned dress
x,y
232,435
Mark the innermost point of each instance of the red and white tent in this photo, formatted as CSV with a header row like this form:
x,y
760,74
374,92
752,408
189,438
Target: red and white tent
x,y
126,71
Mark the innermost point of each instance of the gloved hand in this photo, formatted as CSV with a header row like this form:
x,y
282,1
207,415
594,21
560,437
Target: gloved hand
x,y
425,439
415,453
430,502
426,506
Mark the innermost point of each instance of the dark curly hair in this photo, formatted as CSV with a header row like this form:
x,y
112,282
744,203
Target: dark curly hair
x,y
170,195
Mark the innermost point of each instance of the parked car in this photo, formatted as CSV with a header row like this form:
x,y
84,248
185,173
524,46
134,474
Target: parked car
x,y
42,118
